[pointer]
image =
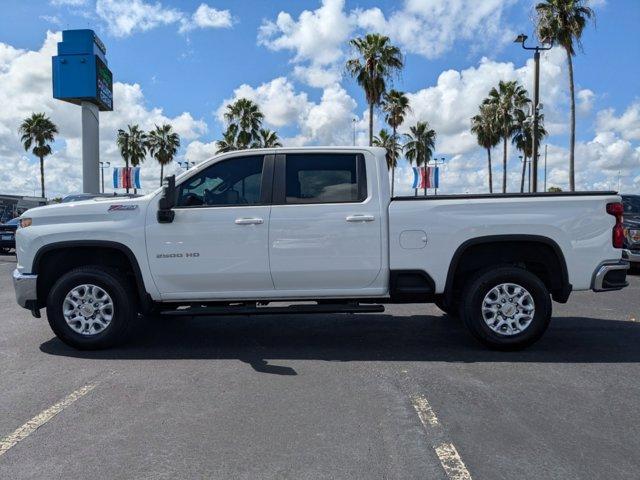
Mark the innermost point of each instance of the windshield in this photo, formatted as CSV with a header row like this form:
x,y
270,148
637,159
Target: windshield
x,y
631,204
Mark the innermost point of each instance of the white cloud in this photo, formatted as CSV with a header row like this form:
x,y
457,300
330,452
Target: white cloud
x,y
26,79
449,105
328,121
585,100
207,17
430,28
316,36
277,99
627,125
198,151
124,17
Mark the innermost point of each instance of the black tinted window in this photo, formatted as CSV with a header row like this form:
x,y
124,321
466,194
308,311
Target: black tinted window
x,y
325,178
229,182
631,204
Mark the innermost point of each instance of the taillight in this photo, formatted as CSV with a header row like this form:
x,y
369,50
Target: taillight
x,y
616,209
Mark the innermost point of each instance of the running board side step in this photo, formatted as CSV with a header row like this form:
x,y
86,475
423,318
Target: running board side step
x,y
264,310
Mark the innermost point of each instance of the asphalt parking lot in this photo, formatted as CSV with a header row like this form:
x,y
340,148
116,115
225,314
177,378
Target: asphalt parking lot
x,y
407,394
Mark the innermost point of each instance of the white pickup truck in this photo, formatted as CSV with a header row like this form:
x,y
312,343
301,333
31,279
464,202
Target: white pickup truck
x,y
314,226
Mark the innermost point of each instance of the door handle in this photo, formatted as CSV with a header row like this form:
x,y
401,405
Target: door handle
x,y
360,218
249,221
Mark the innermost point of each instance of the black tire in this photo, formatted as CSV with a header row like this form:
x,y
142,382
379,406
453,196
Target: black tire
x,y
124,307
481,284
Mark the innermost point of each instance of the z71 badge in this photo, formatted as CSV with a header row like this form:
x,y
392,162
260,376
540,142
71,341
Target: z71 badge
x,y
117,208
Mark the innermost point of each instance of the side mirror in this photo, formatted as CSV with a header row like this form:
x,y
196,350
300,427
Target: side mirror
x,y
167,201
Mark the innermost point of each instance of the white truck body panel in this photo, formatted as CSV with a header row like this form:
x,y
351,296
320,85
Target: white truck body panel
x,y
576,224
307,251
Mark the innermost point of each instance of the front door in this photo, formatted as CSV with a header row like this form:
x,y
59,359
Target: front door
x,y
217,245
325,231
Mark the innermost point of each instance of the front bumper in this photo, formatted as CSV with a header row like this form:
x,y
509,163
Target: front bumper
x,y
25,286
632,256
610,276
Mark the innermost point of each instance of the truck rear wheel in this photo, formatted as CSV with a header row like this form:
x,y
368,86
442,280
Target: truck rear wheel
x,y
506,308
91,308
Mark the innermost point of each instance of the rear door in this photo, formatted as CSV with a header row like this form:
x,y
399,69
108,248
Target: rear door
x,y
325,228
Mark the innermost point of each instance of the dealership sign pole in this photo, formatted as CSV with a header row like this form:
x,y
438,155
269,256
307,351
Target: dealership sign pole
x,y
81,76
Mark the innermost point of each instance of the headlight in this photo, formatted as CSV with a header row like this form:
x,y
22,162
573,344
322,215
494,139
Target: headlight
x,y
25,222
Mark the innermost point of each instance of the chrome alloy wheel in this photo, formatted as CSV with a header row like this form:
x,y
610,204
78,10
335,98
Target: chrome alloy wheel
x,y
508,309
87,309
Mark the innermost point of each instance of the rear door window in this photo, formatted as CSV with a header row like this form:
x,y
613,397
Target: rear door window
x,y
325,178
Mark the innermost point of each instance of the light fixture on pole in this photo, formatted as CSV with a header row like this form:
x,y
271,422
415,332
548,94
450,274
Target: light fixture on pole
x,y
186,165
103,165
521,39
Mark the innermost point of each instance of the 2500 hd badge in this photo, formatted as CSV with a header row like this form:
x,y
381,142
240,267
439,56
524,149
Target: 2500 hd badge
x,y
177,255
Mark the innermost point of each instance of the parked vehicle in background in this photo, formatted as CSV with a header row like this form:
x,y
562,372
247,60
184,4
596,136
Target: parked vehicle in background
x,y
249,228
12,206
8,236
631,250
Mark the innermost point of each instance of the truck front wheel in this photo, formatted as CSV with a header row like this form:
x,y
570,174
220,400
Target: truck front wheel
x,y
91,308
506,308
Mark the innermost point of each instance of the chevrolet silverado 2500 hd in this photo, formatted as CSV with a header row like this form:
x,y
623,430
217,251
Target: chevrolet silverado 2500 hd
x,y
249,228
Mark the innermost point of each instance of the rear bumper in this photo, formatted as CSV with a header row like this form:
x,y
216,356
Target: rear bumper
x,y
610,276
632,256
25,286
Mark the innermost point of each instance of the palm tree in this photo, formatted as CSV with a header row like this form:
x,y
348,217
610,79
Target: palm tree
x,y
487,131
395,104
523,138
266,139
163,144
386,141
247,116
229,140
37,131
419,145
563,21
506,99
375,62
132,143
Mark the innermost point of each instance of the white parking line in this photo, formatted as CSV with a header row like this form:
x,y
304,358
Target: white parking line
x,y
447,453
451,462
425,412
43,417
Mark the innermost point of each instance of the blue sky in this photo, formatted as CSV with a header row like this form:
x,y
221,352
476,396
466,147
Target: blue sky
x,y
185,59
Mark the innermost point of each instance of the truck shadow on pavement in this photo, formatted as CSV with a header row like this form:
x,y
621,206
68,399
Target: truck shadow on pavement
x,y
345,338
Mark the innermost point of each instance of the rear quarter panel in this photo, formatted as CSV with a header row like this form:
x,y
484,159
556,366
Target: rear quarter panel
x,y
579,225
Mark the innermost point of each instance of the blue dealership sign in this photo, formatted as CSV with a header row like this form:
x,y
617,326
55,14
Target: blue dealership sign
x,y
80,71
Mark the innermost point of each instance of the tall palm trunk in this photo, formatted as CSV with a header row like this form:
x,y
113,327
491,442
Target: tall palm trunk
x,y
161,173
504,163
393,165
524,170
371,124
42,175
126,164
490,170
572,133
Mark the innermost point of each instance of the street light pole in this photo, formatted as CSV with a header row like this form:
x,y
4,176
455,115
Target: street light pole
x,y
103,165
354,131
536,100
545,167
